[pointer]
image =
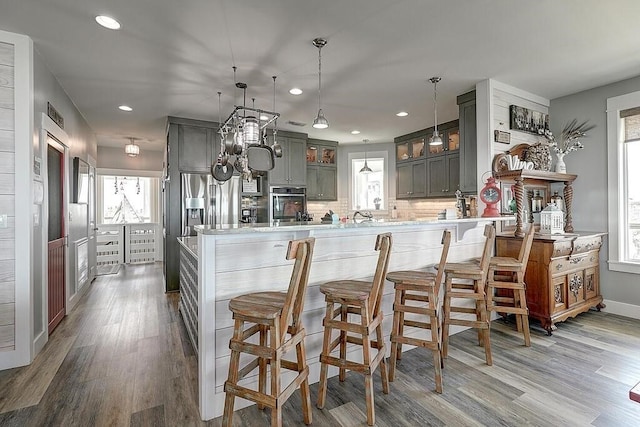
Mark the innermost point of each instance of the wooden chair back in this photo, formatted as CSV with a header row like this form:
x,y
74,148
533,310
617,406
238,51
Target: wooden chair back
x,y
525,249
490,238
302,251
446,242
383,245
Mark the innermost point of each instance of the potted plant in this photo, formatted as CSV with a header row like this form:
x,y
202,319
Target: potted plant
x,y
376,202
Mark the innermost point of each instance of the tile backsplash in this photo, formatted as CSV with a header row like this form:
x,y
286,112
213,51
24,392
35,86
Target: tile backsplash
x,y
407,209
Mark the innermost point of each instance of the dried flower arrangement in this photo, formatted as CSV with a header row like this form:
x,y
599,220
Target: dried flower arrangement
x,y
570,137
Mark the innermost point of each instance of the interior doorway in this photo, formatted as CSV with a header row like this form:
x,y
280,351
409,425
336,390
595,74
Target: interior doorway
x,y
57,233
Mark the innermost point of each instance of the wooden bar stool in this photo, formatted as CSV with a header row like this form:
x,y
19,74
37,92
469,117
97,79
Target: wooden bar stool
x,y
271,315
422,287
474,291
506,290
361,298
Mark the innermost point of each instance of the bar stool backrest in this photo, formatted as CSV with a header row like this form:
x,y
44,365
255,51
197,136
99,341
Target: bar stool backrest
x,y
383,244
490,235
302,251
446,242
525,249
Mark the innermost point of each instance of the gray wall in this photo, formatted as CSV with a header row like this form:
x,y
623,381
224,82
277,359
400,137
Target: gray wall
x,y
590,164
115,158
82,142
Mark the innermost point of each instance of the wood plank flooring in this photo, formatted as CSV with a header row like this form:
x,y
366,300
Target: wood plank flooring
x,y
122,358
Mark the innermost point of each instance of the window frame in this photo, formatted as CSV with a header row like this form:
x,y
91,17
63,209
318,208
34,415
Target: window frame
x,y
617,182
155,195
360,155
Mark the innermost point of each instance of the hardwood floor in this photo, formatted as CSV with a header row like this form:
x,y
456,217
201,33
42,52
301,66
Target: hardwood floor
x,y
122,358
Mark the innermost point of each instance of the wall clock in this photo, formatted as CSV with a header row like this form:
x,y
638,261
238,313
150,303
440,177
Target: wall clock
x,y
490,195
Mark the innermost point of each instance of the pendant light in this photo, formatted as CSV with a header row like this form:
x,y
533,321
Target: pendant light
x,y
320,122
132,150
365,169
435,139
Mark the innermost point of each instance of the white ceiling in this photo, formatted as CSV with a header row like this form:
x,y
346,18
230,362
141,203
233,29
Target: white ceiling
x,y
172,57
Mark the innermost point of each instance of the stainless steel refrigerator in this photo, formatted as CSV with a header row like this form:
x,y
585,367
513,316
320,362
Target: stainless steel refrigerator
x,y
207,201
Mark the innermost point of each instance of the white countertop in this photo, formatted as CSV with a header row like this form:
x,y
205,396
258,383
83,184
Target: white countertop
x,y
296,226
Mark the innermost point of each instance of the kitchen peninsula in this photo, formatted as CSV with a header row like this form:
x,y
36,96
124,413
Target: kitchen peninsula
x,y
233,260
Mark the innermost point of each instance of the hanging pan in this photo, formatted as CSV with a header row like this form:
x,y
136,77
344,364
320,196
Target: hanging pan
x,y
221,172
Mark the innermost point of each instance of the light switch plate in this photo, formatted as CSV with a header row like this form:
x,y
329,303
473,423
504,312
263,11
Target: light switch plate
x,y
3,221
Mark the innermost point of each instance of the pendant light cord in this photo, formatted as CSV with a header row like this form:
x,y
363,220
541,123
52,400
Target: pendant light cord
x,y
275,121
435,103
319,76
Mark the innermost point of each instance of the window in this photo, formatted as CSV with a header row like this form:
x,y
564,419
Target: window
x,y
368,189
127,199
623,134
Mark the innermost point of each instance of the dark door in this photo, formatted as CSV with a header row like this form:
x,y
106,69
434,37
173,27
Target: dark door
x,y
56,279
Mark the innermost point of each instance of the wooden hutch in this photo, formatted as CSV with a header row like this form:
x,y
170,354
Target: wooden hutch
x,y
563,276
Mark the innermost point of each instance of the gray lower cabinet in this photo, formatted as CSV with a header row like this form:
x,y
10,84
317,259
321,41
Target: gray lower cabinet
x,y
322,183
468,146
411,180
291,168
444,175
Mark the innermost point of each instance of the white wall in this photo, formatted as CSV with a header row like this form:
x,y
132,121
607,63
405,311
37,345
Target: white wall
x,y
620,290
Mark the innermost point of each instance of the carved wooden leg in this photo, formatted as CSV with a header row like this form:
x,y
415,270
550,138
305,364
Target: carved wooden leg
x,y
519,196
568,199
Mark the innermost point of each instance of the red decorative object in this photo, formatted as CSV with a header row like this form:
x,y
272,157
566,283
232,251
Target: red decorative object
x,y
490,195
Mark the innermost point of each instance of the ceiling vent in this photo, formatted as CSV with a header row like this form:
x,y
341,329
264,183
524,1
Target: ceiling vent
x,y
291,122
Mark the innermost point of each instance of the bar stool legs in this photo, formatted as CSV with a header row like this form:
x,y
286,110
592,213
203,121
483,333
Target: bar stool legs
x,y
276,318
416,293
346,299
476,273
506,289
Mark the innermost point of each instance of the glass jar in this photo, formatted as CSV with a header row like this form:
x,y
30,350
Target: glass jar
x,y
536,202
556,199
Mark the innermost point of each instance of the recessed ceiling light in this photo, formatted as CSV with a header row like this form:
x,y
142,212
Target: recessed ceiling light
x,y
125,108
264,118
402,114
355,132
108,22
295,91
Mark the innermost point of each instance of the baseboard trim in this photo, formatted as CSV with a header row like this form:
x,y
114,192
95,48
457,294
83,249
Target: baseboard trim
x,y
39,342
622,309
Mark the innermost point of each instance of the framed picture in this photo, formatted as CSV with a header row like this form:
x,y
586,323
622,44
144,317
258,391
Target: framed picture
x,y
525,120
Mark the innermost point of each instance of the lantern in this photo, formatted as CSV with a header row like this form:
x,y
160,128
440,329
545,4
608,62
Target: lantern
x,y
551,220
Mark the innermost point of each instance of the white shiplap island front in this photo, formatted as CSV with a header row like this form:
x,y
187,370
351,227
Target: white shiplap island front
x,y
234,260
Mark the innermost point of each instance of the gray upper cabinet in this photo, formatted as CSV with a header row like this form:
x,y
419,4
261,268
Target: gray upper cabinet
x,y
322,171
195,148
443,162
468,146
322,183
411,168
444,175
291,168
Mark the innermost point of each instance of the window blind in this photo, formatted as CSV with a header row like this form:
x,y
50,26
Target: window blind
x,y
631,119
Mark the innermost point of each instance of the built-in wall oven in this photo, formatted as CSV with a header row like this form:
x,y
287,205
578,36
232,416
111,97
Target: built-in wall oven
x,y
287,203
